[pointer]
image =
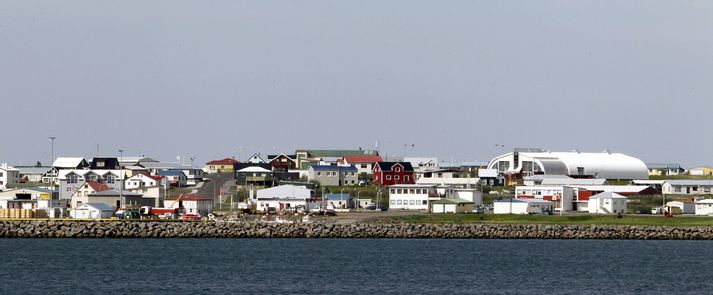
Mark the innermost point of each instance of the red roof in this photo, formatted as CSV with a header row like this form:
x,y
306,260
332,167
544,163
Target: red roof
x,y
189,198
98,186
156,178
362,159
226,161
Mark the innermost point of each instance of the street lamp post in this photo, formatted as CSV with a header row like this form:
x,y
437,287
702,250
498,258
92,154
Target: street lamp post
x,y
121,179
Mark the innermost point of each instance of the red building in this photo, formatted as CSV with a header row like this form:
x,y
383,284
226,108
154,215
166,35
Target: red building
x,y
390,173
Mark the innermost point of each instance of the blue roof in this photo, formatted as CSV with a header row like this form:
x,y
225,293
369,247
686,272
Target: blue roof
x,y
170,173
333,168
337,196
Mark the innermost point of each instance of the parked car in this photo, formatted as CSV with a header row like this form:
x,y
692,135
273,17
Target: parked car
x,y
371,207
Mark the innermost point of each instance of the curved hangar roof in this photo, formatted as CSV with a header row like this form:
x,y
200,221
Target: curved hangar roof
x,y
601,165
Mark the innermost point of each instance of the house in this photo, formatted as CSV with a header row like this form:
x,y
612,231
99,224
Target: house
x,y
523,206
282,163
563,197
606,165
9,176
34,174
687,187
328,175
701,171
130,161
153,187
176,178
255,159
190,204
70,181
704,207
363,163
70,163
306,158
412,196
30,198
390,173
144,180
193,175
607,203
254,174
472,195
92,211
681,207
105,164
447,177
490,177
282,197
452,206
421,164
659,169
339,201
220,166
100,192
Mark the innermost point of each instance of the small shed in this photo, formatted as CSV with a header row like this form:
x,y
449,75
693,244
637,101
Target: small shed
x,y
681,207
607,203
523,206
92,211
452,206
704,207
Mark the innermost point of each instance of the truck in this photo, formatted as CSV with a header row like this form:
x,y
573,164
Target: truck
x,y
148,212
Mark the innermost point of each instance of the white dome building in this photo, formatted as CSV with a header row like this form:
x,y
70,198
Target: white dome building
x,y
603,165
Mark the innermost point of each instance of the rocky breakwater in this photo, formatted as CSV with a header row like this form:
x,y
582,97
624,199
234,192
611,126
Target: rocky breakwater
x,y
163,229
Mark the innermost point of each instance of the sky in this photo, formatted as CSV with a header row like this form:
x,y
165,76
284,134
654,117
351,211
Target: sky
x,y
456,80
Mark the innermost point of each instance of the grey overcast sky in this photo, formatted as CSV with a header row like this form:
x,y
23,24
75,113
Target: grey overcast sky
x,y
448,79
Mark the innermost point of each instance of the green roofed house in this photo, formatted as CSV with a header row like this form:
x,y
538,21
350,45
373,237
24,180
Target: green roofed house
x,y
452,206
306,158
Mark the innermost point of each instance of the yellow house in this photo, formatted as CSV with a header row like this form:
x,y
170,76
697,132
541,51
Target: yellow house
x,y
220,166
701,171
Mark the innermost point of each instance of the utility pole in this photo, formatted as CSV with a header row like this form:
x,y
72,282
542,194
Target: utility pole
x,y
53,175
121,179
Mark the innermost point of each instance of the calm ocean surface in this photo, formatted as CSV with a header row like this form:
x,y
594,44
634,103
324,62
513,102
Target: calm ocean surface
x,y
276,266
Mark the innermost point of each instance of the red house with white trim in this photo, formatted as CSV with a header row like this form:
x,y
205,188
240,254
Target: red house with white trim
x,y
390,173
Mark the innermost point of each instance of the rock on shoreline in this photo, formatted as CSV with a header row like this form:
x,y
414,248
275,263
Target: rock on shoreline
x,y
243,229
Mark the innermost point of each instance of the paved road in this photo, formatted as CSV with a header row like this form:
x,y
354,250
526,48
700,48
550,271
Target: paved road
x,y
215,180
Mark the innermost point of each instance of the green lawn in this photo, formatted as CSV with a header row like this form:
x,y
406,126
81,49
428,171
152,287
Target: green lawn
x,y
556,219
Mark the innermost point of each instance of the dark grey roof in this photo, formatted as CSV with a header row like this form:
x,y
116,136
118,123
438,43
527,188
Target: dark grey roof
x,y
387,166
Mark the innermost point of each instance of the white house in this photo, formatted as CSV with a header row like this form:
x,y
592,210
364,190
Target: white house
x,y
363,163
9,176
523,206
472,195
176,178
412,196
560,195
607,203
282,197
422,164
704,207
452,206
92,211
687,187
190,204
681,207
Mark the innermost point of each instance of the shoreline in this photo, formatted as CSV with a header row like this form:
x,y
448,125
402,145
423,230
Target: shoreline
x,y
359,230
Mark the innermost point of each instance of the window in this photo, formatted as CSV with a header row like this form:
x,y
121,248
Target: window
x,y
109,178
393,191
319,173
72,179
398,191
1,174
393,202
411,191
425,202
406,177
388,177
398,202
100,164
677,189
363,166
396,177
412,202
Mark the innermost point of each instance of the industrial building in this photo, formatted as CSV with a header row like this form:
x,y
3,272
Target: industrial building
x,y
576,164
